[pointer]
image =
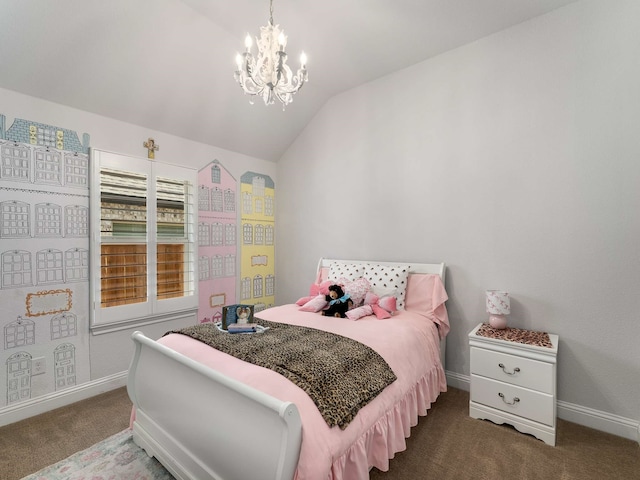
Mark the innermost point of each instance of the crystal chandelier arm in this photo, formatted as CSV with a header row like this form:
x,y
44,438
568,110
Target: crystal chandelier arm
x,y
246,75
296,82
280,69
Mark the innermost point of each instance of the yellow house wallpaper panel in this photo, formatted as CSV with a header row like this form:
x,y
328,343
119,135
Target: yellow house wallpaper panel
x,y
257,231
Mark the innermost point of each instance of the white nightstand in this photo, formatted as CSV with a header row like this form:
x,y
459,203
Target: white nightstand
x,y
513,382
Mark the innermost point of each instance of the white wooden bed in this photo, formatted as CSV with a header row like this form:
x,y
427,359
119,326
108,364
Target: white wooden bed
x,y
204,424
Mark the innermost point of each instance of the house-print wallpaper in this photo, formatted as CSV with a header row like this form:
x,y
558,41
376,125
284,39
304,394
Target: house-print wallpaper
x,y
217,240
257,228
44,259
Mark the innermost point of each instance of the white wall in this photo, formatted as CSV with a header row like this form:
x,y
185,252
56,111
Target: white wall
x,y
515,160
111,353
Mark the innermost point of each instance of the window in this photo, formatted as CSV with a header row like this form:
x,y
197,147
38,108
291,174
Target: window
x,y
16,269
204,234
216,200
15,219
76,221
245,288
257,286
217,234
49,266
268,234
19,333
76,170
230,266
143,222
48,220
246,202
268,206
203,268
76,264
215,174
230,234
48,166
64,325
258,186
247,234
217,265
270,286
229,201
203,198
258,235
16,162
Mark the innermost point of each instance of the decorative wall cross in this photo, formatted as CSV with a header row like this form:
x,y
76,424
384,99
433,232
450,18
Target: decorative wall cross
x,y
151,147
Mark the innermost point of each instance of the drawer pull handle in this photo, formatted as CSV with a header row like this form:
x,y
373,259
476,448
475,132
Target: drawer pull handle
x,y
515,399
515,370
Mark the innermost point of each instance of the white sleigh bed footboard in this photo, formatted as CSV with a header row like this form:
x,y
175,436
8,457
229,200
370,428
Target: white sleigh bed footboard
x,y
178,419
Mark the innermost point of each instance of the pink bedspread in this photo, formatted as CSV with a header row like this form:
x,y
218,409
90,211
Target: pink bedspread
x,y
409,342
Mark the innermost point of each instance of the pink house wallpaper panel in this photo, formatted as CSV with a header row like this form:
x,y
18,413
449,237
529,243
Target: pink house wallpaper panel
x,y
217,240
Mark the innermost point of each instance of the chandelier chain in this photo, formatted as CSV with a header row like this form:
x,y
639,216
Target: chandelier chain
x,y
271,12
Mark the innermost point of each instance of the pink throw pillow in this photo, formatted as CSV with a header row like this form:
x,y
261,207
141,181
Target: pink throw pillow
x,y
301,301
380,312
321,288
314,305
388,303
357,313
357,289
371,298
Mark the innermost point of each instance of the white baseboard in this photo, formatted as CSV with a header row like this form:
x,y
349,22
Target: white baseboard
x,y
606,422
456,380
587,417
51,401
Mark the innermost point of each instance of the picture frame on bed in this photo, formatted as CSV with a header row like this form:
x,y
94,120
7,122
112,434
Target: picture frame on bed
x,y
237,313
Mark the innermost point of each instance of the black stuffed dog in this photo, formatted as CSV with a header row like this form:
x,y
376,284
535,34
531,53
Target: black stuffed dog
x,y
339,302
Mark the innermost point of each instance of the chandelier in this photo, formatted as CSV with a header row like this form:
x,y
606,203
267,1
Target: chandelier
x,y
268,74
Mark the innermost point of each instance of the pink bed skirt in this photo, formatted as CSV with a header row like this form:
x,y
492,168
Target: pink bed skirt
x,y
388,435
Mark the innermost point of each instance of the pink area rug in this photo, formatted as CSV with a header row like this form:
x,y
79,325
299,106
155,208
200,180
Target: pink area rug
x,y
116,458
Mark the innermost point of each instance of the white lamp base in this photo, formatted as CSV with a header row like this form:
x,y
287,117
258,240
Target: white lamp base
x,y
498,322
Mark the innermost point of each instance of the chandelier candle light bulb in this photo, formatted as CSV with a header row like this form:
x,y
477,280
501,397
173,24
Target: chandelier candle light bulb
x,y
268,74
498,306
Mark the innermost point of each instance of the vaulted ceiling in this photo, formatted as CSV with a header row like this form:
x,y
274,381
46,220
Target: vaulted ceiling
x,y
168,65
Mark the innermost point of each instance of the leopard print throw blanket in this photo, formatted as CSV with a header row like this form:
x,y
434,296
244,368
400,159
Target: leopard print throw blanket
x,y
340,375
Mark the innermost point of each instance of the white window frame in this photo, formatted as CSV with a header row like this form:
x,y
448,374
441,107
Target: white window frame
x,y
104,320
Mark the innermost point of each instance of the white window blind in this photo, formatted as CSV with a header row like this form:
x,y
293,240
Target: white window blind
x,y
144,238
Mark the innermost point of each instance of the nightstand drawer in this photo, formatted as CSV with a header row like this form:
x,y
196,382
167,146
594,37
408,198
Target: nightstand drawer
x,y
523,402
520,371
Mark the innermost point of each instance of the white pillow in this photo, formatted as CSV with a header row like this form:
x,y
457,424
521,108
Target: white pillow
x,y
386,278
381,291
349,271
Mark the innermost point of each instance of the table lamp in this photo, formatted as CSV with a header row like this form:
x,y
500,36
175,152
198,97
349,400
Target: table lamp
x,y
497,307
